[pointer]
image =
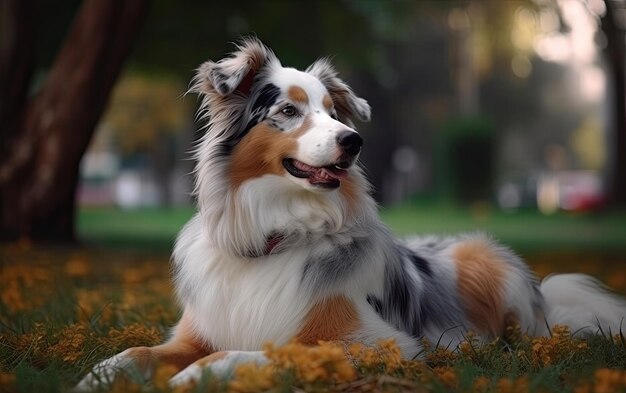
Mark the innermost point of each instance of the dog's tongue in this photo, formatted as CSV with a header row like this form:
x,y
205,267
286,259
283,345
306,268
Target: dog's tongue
x,y
322,174
327,175
331,173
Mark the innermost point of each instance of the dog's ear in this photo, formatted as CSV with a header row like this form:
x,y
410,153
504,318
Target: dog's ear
x,y
347,104
234,74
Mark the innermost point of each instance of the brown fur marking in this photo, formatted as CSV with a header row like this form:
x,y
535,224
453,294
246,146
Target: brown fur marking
x,y
180,351
480,284
297,94
329,320
327,102
262,151
341,97
350,191
212,358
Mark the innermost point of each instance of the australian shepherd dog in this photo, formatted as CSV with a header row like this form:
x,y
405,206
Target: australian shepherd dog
x,y
287,243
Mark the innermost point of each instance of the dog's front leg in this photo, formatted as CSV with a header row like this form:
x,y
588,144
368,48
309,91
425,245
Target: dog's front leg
x,y
221,364
180,351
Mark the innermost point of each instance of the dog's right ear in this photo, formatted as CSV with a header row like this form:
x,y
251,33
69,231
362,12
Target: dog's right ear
x,y
347,104
234,74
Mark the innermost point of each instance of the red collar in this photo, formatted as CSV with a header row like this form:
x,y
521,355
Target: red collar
x,y
272,242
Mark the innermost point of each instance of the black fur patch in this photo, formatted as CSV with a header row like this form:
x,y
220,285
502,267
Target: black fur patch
x,y
411,306
223,87
266,98
420,263
262,102
376,303
402,303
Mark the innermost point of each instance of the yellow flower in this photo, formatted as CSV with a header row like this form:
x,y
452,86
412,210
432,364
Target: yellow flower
x,y
77,267
326,361
12,296
252,378
385,356
608,380
391,354
17,282
561,345
125,385
506,385
7,379
583,388
480,384
446,375
70,343
163,374
441,357
131,336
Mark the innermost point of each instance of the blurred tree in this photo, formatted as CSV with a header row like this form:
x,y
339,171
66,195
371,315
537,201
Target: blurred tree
x,y
614,28
145,113
45,135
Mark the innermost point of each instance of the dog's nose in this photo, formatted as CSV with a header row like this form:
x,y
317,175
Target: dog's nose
x,y
350,142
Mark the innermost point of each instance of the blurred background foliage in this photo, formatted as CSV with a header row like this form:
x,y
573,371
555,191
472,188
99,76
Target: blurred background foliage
x,y
489,106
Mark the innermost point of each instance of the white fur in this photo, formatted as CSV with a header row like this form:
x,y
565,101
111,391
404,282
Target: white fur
x,y
223,367
104,373
241,303
584,304
318,146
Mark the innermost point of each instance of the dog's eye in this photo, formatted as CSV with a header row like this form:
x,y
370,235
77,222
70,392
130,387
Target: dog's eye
x,y
289,110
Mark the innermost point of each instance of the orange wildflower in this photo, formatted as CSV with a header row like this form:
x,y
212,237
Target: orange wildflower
x,y
506,385
77,267
447,376
481,384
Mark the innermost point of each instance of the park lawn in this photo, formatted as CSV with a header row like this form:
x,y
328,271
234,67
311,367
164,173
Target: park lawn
x,y
525,230
64,309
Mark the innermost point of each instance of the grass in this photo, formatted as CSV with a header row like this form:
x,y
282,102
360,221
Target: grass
x,y
527,230
141,228
523,230
64,309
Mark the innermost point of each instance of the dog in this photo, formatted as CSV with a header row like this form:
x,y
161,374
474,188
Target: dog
x,y
287,243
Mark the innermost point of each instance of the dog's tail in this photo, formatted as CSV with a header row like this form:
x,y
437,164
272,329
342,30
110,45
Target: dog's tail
x,y
584,304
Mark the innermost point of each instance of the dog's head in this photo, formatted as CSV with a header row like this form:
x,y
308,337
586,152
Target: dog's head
x,y
273,120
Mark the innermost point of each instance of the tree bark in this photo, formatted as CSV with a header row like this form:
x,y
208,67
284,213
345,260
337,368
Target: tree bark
x,y
17,56
39,170
616,56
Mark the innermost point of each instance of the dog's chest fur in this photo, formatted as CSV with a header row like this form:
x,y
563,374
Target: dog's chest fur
x,y
239,303
242,303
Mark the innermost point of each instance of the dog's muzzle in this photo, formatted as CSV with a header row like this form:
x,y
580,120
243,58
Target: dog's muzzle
x,y
350,142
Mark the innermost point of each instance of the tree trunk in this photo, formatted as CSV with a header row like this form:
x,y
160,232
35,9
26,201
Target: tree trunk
x,y
615,52
39,170
17,56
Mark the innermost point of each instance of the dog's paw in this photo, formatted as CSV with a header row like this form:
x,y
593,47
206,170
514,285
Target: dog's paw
x,y
103,374
191,374
219,364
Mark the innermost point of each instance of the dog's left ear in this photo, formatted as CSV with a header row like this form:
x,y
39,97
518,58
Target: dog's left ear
x,y
235,73
347,104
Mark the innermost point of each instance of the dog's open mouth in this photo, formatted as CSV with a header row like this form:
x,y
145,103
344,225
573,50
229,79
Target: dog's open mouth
x,y
328,176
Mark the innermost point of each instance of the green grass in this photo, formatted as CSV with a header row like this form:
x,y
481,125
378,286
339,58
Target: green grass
x,y
522,230
527,229
63,310
139,228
